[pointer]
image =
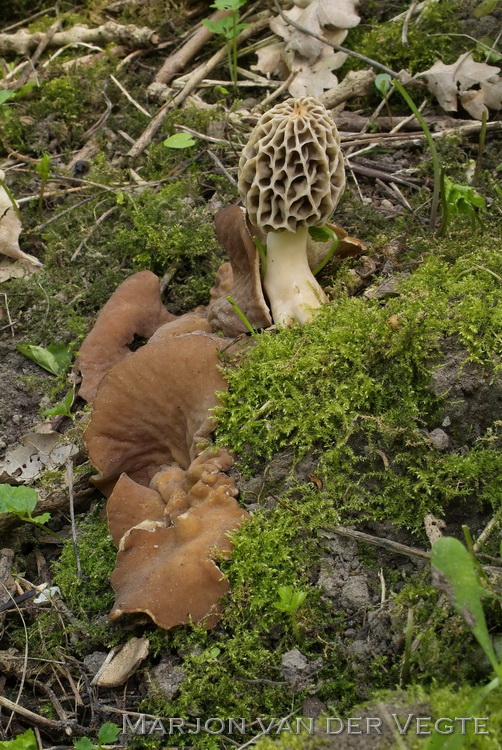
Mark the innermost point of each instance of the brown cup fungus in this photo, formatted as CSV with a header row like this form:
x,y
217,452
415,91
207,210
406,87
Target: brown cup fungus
x,y
291,177
171,503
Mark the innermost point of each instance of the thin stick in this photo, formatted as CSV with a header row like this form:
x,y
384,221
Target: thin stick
x,y
96,225
284,85
9,319
481,149
388,544
221,167
69,479
25,659
406,22
338,47
129,97
486,533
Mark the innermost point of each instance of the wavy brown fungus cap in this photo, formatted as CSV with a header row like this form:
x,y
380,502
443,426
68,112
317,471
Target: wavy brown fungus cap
x,y
239,280
153,408
165,564
134,309
291,171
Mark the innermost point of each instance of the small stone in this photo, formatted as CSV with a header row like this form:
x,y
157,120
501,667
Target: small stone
x,y
387,205
446,422
355,593
297,671
17,418
439,439
94,661
313,707
167,676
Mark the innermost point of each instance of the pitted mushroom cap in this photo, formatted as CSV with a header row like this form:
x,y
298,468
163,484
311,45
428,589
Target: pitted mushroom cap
x,y
291,171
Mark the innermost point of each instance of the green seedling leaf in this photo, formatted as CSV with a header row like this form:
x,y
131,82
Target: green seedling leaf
x,y
484,8
43,167
221,90
223,27
108,733
228,4
18,500
25,89
321,234
491,55
6,95
63,408
55,359
42,518
84,744
383,84
25,741
455,576
290,600
180,140
119,197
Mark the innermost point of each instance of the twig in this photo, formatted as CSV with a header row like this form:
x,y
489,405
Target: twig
x,y
93,229
387,177
39,227
406,23
67,726
221,167
25,658
9,319
284,85
338,47
388,544
178,59
69,479
486,532
56,26
129,97
146,137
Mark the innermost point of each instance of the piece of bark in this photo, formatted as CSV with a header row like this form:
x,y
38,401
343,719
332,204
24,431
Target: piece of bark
x,y
132,37
175,63
356,83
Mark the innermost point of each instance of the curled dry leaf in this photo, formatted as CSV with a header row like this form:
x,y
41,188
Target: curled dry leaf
x,y
10,229
311,60
451,83
120,667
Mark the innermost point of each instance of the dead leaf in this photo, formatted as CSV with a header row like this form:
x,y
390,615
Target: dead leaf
x,y
313,61
9,269
36,453
119,668
10,229
449,83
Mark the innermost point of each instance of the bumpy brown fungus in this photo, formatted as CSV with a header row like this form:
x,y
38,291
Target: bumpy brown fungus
x,y
154,408
164,565
135,308
241,280
291,176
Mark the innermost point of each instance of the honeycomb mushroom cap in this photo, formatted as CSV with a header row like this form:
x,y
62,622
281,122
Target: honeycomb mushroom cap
x,y
291,172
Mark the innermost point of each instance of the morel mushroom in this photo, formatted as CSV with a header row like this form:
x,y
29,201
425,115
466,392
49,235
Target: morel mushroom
x,y
291,176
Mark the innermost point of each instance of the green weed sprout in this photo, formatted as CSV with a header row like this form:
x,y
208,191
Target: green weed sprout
x,y
241,315
55,359
436,166
460,199
383,84
63,408
180,140
290,602
228,27
21,501
455,573
107,735
43,170
324,234
25,741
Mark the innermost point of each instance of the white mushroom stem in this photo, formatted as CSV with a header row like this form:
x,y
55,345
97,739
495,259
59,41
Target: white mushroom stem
x,y
292,289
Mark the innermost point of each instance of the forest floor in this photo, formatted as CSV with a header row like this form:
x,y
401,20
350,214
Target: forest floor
x,y
360,439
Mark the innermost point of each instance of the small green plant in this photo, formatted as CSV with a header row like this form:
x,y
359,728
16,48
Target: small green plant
x,y
228,27
25,741
180,140
21,501
459,199
107,735
43,170
383,84
63,408
290,602
241,315
456,574
55,359
324,234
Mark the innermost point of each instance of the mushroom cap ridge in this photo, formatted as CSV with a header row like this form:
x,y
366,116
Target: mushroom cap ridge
x,y
291,171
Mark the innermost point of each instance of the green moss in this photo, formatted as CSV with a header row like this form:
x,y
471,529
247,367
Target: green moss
x,y
356,389
428,40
